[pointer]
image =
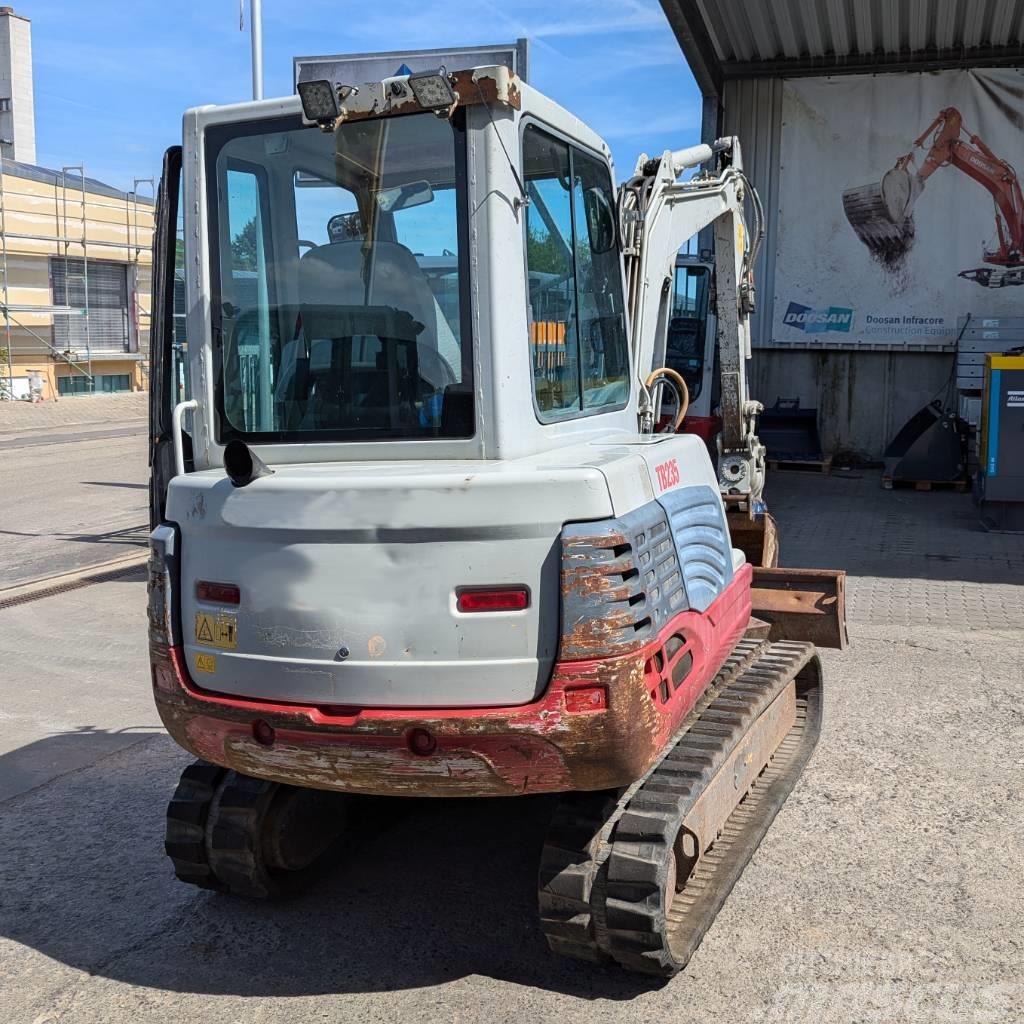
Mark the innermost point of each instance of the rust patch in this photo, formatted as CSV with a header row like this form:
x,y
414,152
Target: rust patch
x,y
535,748
393,98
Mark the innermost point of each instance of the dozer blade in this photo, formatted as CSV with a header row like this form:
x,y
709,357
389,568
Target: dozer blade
x,y
807,605
881,214
640,881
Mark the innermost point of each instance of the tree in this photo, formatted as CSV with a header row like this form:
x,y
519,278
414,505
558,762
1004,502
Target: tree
x,y
243,248
545,254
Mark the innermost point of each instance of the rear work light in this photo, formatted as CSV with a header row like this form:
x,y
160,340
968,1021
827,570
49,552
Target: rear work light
x,y
217,593
492,599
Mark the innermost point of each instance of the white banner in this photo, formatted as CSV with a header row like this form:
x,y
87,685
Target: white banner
x,y
899,208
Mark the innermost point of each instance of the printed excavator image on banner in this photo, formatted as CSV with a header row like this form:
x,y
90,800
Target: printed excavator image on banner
x,y
882,213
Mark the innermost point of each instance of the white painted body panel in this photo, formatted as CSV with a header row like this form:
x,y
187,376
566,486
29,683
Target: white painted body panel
x,y
368,555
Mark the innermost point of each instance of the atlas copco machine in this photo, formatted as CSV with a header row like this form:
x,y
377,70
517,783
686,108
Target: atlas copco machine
x,y
415,532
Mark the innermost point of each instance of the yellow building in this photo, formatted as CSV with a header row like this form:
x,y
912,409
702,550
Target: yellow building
x,y
74,283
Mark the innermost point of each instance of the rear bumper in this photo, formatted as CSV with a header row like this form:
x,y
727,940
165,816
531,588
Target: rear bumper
x,y
564,741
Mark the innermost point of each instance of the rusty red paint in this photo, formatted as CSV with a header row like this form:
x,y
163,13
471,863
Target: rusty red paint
x,y
535,748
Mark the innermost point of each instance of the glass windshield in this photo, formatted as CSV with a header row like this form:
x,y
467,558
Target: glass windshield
x,y
337,306
687,328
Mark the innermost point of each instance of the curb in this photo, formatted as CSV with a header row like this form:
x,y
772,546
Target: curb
x,y
48,586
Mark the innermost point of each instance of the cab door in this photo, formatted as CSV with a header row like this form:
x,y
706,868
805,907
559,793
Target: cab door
x,y
168,379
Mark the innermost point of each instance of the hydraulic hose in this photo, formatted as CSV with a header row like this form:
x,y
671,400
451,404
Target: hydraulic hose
x,y
680,384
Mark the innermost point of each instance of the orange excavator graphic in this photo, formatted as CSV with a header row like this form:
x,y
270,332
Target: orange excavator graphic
x,y
882,213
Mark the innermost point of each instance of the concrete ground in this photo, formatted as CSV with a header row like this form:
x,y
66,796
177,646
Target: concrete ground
x,y
71,495
888,889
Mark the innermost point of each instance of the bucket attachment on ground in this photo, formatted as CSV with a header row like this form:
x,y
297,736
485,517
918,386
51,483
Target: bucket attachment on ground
x,y
789,432
930,446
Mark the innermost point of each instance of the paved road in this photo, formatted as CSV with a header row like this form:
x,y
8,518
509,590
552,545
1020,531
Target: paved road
x,y
74,682
71,497
888,889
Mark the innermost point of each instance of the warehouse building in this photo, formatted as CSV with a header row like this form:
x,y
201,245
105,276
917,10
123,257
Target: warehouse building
x,y
882,139
74,257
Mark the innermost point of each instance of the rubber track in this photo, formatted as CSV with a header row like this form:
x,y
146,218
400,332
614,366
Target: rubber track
x,y
640,935
627,861
185,837
235,834
577,841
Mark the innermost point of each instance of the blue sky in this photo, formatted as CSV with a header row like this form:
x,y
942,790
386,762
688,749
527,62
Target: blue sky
x,y
112,77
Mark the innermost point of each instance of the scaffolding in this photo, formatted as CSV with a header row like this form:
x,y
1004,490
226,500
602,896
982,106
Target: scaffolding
x,y
72,200
132,233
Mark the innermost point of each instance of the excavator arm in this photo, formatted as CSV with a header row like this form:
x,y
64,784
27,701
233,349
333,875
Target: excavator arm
x,y
658,214
948,148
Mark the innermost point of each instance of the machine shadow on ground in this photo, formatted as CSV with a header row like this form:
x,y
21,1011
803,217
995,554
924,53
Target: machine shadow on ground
x,y
115,483
124,535
431,891
39,762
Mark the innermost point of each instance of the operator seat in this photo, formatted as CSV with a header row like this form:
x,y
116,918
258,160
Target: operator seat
x,y
332,275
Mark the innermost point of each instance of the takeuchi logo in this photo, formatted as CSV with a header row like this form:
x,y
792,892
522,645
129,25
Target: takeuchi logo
x,y
815,321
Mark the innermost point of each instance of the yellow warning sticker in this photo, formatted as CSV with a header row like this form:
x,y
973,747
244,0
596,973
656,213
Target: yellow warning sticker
x,y
206,662
217,630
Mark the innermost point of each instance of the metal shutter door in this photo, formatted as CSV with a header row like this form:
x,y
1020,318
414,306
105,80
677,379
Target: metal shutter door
x,y
108,305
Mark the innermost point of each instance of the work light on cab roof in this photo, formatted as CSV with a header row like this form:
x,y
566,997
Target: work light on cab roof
x,y
319,101
433,90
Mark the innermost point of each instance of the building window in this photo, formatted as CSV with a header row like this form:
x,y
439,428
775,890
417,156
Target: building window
x,y
5,104
102,383
109,315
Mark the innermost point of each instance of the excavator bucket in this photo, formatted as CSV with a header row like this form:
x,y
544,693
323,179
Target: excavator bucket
x,y
882,214
756,536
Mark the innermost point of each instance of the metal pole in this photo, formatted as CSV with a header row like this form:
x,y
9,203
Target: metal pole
x,y
256,27
3,243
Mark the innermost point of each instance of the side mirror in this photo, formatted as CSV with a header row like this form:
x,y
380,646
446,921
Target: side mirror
x,y
600,220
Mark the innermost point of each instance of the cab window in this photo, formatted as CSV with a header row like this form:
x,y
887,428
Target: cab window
x,y
338,280
578,346
687,327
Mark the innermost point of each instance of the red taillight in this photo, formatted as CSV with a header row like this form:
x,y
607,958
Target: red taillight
x,y
492,599
586,698
217,593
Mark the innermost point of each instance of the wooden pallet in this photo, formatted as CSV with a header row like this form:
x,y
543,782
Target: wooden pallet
x,y
802,465
925,485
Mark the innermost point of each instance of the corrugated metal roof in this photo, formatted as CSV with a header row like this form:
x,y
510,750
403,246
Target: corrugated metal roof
x,y
750,37
762,30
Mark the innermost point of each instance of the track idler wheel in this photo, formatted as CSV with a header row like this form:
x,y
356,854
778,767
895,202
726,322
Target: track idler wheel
x,y
250,837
